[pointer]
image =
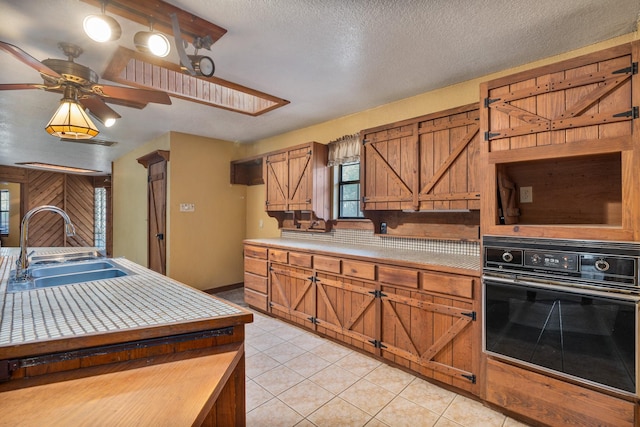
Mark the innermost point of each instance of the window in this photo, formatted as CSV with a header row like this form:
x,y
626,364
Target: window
x,y
349,191
100,218
4,211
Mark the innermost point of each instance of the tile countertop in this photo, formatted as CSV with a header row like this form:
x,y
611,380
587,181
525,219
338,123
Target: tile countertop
x,y
439,261
144,302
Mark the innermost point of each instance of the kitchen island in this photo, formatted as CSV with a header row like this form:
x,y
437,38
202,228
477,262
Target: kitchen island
x,y
140,347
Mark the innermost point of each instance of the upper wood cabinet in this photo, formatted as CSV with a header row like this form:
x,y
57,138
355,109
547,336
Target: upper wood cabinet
x,y
426,163
297,179
560,144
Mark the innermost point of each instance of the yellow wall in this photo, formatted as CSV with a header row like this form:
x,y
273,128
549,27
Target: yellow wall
x,y
129,181
205,245
13,239
449,97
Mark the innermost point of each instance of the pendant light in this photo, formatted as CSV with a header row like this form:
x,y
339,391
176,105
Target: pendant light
x,y
70,119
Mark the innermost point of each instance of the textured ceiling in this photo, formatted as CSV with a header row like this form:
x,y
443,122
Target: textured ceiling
x,y
329,58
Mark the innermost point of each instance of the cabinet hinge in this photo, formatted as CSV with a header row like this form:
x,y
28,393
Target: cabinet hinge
x,y
377,294
313,320
488,135
633,113
377,344
7,367
471,314
266,203
489,101
471,378
364,141
633,69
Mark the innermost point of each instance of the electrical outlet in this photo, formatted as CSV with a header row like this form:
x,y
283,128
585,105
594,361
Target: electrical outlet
x,y
526,194
187,207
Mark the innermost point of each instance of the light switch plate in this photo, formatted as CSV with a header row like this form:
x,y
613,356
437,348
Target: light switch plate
x,y
187,207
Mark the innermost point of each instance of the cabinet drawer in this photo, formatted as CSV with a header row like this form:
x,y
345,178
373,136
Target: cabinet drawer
x,y
255,299
361,270
277,255
398,276
460,286
323,263
255,252
300,260
257,283
255,266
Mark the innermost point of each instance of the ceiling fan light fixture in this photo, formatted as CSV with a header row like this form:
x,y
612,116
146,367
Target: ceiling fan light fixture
x,y
70,120
102,28
152,42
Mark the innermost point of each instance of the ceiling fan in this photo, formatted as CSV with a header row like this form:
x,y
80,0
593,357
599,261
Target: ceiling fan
x,y
79,84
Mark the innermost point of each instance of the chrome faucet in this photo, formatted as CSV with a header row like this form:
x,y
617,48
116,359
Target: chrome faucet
x,y
22,264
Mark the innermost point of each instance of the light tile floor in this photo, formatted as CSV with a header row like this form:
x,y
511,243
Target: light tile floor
x,y
296,378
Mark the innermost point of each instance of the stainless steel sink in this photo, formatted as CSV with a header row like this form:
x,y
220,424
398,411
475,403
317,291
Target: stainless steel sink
x,y
64,258
69,268
84,276
66,273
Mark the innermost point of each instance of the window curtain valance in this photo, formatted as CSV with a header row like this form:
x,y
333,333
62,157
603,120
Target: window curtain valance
x,y
345,149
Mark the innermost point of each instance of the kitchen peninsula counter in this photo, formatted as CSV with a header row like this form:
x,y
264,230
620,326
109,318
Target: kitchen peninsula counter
x,y
143,331
429,260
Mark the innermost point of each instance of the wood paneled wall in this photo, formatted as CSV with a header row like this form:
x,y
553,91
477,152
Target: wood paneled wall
x,y
72,193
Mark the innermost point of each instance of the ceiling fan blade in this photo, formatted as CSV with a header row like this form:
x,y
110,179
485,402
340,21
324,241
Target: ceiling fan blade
x,y
98,108
29,60
19,86
126,103
139,96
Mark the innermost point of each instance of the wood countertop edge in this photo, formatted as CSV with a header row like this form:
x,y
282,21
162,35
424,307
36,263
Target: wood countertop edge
x,y
71,343
389,261
123,397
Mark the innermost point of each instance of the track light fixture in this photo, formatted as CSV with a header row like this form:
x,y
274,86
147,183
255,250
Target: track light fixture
x,y
102,28
152,42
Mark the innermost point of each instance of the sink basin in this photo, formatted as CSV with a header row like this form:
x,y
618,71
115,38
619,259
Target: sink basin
x,y
84,276
64,257
66,273
68,268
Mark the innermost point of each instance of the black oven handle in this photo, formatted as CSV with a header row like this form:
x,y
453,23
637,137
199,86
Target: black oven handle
x,y
574,289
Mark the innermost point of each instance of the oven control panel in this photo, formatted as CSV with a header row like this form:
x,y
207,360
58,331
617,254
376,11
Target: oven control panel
x,y
551,260
615,265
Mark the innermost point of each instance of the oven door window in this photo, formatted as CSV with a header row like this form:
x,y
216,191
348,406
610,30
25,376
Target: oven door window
x,y
585,337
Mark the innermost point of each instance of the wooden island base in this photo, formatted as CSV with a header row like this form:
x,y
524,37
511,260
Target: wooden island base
x,y
206,390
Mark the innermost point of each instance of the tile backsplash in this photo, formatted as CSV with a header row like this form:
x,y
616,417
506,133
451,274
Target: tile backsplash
x,y
368,238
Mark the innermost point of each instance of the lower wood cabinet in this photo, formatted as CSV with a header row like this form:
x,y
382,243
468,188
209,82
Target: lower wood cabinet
x,y
422,320
346,310
554,402
430,334
292,294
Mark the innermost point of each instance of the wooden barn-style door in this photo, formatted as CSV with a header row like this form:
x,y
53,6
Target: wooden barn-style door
x,y
346,310
293,294
428,334
156,163
390,175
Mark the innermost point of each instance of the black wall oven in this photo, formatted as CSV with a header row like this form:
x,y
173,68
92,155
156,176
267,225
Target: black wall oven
x,y
567,307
